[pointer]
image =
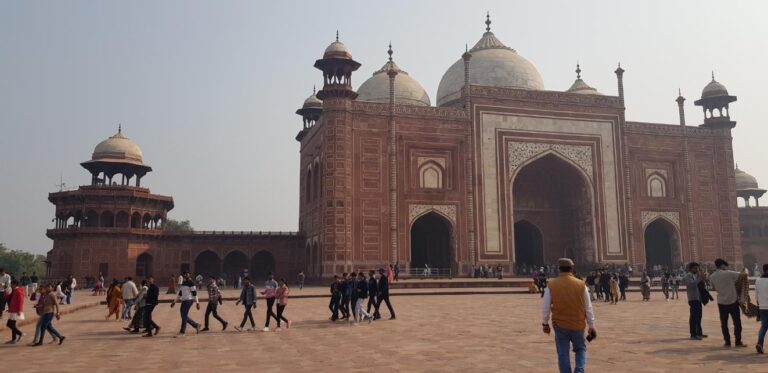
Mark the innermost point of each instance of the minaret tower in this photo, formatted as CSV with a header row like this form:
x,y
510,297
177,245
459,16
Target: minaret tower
x,y
310,113
337,94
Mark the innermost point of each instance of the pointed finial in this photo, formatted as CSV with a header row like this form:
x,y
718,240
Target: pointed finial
x,y
679,92
578,70
337,35
488,21
619,64
466,47
713,75
119,128
389,51
314,88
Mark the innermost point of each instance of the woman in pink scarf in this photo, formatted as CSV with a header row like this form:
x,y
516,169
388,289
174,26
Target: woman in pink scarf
x,y
390,274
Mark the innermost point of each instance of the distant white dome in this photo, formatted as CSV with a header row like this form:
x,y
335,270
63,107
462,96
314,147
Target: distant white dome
x,y
118,148
745,180
312,101
407,90
714,88
492,64
337,49
580,86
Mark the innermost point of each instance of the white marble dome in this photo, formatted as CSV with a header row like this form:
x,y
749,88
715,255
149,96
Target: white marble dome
x,y
407,90
337,49
745,180
492,64
118,148
312,101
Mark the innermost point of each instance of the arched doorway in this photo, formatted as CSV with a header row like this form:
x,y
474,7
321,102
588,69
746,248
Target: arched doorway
x,y
107,219
207,263
261,264
234,264
529,248
431,242
144,265
661,240
558,196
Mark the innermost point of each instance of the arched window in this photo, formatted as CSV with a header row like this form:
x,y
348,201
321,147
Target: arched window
x,y
308,182
657,187
431,176
316,189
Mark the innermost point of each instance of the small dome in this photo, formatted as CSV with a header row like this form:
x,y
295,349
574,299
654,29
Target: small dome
x,y
745,180
714,88
312,101
579,86
337,49
118,148
492,64
407,90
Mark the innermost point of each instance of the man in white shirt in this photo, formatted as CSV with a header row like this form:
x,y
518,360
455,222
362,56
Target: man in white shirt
x,y
187,295
724,282
761,295
130,291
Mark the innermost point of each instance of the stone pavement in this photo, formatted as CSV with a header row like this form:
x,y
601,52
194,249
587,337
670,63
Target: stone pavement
x,y
455,333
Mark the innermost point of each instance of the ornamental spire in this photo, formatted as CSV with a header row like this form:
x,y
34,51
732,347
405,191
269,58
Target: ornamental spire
x,y
488,21
578,70
389,51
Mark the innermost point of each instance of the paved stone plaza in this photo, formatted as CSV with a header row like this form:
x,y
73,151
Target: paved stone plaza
x,y
483,333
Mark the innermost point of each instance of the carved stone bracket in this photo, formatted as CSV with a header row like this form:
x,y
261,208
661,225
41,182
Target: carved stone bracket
x,y
520,152
449,211
649,216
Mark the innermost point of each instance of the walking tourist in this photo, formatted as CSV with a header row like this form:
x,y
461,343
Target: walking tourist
x,y
614,285
724,282
150,302
248,300
761,295
69,288
346,292
396,271
693,280
301,278
281,294
130,292
372,286
361,291
541,281
270,287
214,300
139,303
5,289
34,281
665,283
623,285
605,285
382,294
171,285
567,300
114,299
353,296
333,305
50,310
590,282
15,311
645,286
187,295
24,282
674,286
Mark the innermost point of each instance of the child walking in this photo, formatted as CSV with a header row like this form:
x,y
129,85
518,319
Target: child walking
x,y
282,300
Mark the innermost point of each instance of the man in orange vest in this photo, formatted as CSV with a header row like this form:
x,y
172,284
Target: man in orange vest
x,y
567,299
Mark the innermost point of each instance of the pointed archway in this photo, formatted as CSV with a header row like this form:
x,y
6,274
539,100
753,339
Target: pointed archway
x,y
661,244
261,264
558,196
234,264
144,265
207,264
529,248
431,241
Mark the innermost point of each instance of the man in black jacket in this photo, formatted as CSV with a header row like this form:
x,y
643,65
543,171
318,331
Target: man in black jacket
x,y
372,289
345,293
352,286
361,291
623,285
383,294
153,293
335,298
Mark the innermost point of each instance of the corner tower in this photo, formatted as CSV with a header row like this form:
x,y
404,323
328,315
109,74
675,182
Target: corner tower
x,y
105,227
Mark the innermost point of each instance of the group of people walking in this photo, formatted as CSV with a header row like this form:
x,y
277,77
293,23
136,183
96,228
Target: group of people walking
x,y
350,291
46,306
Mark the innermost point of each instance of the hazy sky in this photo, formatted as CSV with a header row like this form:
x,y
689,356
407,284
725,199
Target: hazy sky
x,y
208,89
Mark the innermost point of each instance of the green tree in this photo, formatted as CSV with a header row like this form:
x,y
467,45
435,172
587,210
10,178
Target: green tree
x,y
18,261
171,225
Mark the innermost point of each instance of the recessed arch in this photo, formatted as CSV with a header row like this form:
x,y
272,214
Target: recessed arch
x,y
144,265
431,241
136,220
91,219
235,264
261,264
431,175
122,220
529,246
558,194
207,263
308,186
661,240
656,186
107,219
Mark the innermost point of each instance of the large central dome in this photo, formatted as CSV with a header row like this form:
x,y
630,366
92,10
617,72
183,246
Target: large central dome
x,y
492,64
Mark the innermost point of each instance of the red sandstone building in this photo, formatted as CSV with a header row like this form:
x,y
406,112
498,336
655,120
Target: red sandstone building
x,y
501,171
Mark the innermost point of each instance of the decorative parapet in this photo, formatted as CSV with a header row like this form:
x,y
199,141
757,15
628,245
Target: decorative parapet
x,y
549,96
376,108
